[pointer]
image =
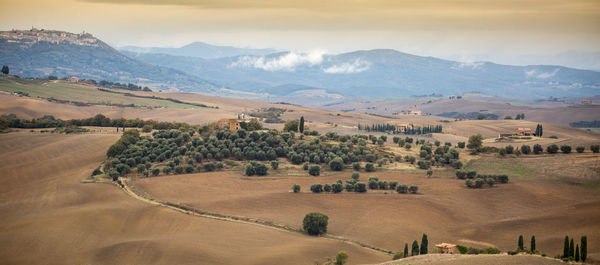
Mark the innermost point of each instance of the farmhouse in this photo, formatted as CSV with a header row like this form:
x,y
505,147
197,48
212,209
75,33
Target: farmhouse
x,y
231,124
523,132
447,248
403,126
586,102
413,112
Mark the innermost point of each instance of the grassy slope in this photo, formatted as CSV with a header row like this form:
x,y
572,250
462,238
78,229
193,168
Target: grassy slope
x,y
62,90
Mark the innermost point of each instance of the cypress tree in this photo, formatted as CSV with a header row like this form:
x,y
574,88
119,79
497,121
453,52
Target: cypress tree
x,y
577,253
301,127
520,242
406,250
541,130
415,248
583,248
571,249
532,244
566,247
424,243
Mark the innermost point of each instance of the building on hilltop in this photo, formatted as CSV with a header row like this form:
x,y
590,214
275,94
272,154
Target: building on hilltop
x,y
523,132
230,124
447,248
413,112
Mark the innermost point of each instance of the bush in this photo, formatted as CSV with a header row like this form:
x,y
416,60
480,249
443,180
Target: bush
x,y
178,169
155,171
413,189
537,149
526,149
393,185
296,188
402,188
552,149
315,223
260,169
355,176
337,188
188,168
305,166
327,188
336,164
461,144
209,167
147,128
490,182
469,183
565,149
580,149
509,149
369,167
512,252
274,164
502,151
316,188
398,255
314,170
478,182
424,164
356,166
595,148
462,249
373,184
461,174
360,187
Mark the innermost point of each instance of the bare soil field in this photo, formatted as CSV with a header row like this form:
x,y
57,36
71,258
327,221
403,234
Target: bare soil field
x,y
444,209
49,217
500,259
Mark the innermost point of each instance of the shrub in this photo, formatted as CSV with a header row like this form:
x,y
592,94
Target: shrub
x,y
355,176
147,128
424,164
461,174
314,170
260,169
478,182
393,185
360,187
526,149
413,189
402,188
356,166
595,148
398,256
296,188
113,174
407,146
373,184
316,188
382,185
502,151
155,171
305,166
565,149
209,166
475,141
178,169
327,188
188,168
471,174
166,170
537,149
512,252
336,164
461,144
315,223
490,181
552,149
337,187
462,249
509,149
580,149
341,258
274,164
369,167
457,164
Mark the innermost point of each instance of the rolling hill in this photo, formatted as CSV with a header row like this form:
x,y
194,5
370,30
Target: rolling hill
x,y
199,49
39,53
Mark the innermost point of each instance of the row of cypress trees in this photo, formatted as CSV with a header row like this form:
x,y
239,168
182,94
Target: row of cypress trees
x,y
415,250
572,252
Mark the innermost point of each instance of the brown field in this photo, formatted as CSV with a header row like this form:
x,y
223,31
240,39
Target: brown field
x,y
444,209
500,259
50,217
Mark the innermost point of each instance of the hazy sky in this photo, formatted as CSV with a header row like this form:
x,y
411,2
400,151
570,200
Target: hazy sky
x,y
512,31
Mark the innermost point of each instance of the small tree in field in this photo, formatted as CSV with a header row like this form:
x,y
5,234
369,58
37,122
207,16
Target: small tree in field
x,y
521,243
595,148
583,248
296,188
406,250
275,164
552,149
537,149
565,149
580,149
341,258
532,244
526,149
315,223
336,164
475,141
415,248
314,170
369,167
424,243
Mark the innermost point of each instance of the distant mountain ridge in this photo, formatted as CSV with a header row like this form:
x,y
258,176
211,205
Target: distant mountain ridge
x,y
201,50
39,53
383,73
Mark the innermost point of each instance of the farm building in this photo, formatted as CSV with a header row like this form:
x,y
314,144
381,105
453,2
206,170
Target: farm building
x,y
413,112
447,248
523,132
231,124
402,127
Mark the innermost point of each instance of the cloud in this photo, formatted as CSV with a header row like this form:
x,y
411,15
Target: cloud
x,y
286,62
348,68
471,65
541,75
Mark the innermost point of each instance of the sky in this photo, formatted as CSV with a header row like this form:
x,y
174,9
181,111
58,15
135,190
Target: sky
x,y
510,31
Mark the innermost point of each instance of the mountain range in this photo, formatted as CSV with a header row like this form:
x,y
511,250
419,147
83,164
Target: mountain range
x,y
298,77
